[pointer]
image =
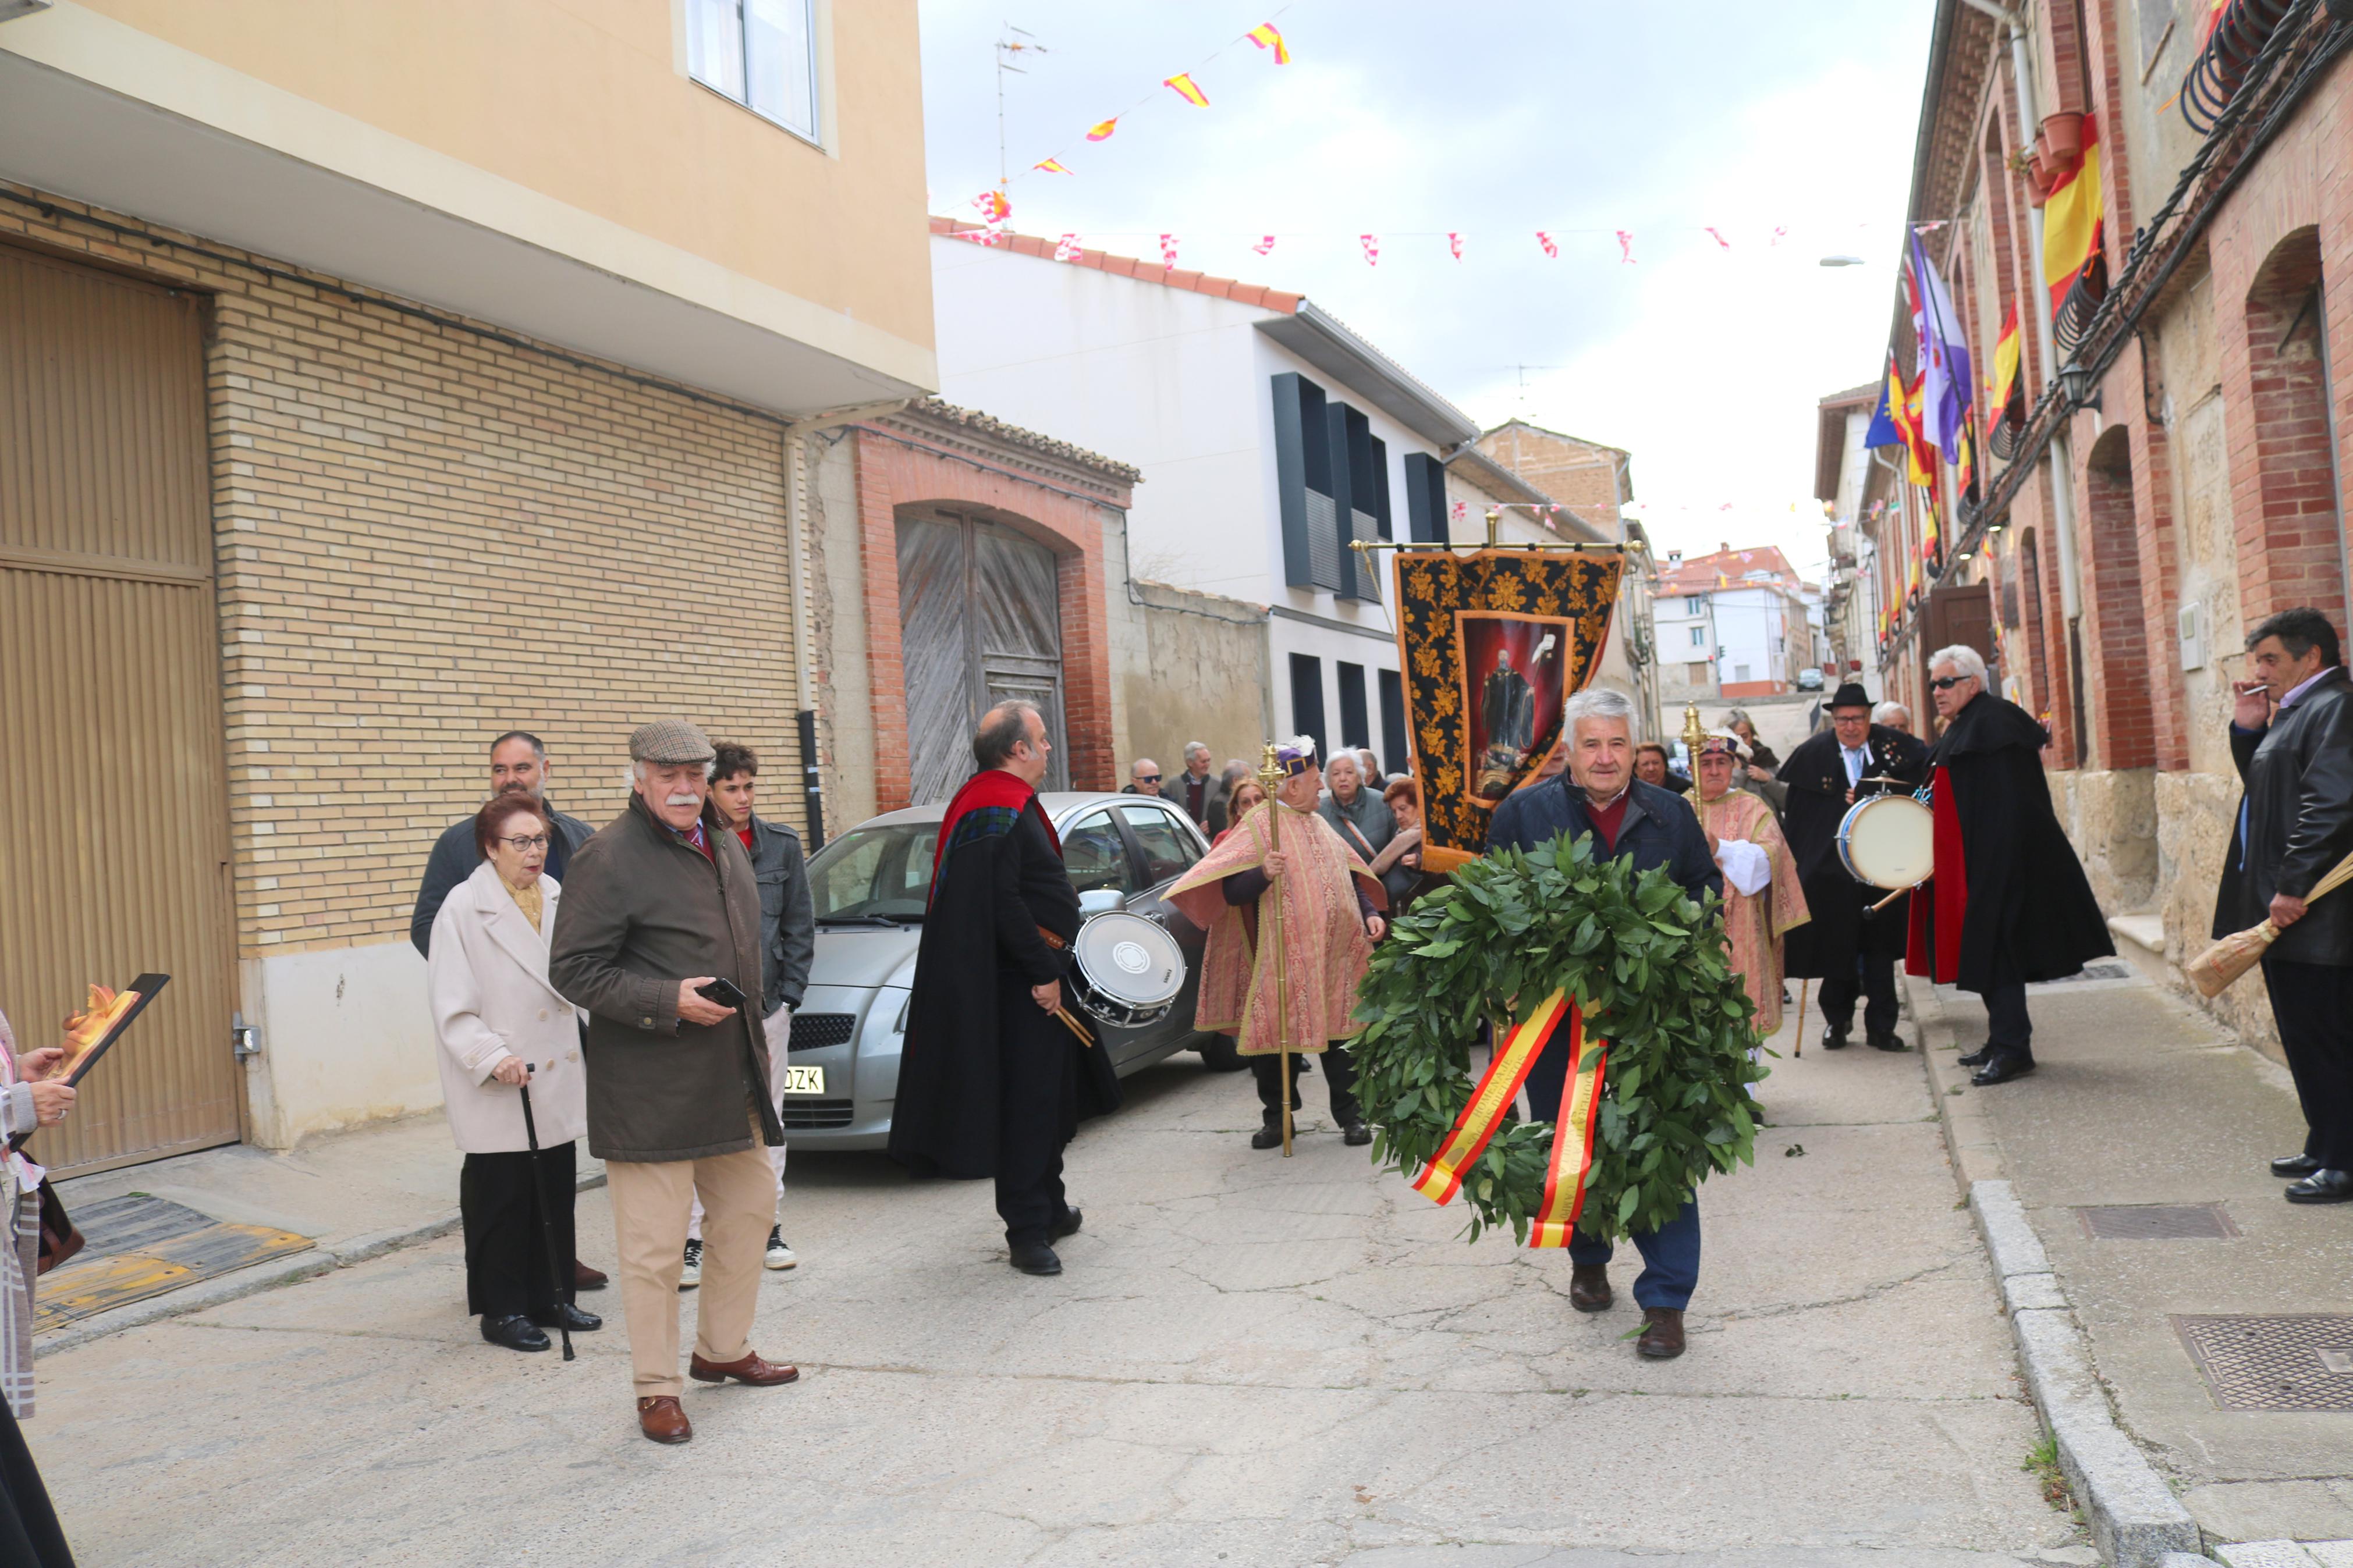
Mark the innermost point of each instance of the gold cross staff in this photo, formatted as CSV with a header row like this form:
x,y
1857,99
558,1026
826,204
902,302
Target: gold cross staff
x,y
1270,926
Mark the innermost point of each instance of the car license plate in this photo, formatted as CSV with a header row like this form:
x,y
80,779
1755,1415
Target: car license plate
x,y
804,1081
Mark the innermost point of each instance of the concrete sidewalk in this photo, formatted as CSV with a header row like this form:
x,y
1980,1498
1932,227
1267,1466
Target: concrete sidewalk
x,y
2146,1119
355,1194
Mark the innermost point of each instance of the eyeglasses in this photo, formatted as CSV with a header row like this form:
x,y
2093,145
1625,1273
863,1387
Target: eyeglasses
x,y
522,845
1945,683
1147,778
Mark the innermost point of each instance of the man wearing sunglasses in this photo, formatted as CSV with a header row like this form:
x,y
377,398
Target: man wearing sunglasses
x,y
2010,903
1142,777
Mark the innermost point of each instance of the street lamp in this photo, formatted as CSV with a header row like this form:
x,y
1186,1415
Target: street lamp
x,y
1842,261
2075,381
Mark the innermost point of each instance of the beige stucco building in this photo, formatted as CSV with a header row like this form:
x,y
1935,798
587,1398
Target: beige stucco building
x,y
374,394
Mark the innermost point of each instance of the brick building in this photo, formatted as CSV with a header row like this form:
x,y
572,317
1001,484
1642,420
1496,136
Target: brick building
x,y
2168,472
346,420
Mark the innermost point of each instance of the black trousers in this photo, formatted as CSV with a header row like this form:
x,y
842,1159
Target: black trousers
x,y
1876,982
506,1249
2314,1006
30,1532
1038,1106
1339,1071
2009,1031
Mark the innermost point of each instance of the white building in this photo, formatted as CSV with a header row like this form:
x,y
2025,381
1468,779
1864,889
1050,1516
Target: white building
x,y
1268,435
1736,623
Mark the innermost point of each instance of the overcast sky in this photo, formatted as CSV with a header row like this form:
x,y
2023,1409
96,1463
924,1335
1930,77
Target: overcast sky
x,y
1495,120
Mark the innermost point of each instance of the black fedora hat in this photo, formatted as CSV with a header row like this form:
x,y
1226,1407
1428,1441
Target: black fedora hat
x,y
1850,695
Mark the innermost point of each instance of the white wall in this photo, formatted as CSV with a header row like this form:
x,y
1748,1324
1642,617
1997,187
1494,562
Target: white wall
x,y
1749,626
346,1039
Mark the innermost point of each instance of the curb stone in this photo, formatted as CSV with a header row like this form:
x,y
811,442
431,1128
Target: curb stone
x,y
242,1282
2136,1521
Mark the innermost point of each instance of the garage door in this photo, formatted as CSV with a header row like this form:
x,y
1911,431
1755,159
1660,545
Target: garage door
x,y
114,854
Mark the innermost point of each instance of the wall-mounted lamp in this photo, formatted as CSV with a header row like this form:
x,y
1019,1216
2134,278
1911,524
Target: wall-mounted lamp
x,y
2075,380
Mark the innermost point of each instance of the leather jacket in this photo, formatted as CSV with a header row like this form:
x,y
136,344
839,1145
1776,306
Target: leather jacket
x,y
2294,823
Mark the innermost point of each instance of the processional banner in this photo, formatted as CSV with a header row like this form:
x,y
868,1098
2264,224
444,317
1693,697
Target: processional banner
x,y
1492,644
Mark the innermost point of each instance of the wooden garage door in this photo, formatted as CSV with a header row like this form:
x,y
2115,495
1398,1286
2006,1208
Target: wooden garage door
x,y
114,854
978,623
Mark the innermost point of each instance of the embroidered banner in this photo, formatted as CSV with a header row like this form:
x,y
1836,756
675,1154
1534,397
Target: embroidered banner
x,y
1492,644
1483,1112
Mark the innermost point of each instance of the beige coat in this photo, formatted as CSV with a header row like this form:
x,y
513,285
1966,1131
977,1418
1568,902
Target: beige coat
x,y
492,999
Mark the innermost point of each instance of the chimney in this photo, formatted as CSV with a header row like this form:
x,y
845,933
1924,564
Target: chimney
x,y
1724,548
1674,557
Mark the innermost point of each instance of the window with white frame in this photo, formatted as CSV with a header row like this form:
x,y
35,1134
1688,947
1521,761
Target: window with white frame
x,y
1699,637
761,53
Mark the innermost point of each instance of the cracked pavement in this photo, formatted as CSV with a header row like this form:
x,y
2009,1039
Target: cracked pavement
x,y
1248,1361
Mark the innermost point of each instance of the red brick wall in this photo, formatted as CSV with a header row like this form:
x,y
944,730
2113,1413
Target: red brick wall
x,y
2129,393
2116,640
2282,487
892,474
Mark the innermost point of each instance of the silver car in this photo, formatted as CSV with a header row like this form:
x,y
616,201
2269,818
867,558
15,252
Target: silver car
x,y
870,888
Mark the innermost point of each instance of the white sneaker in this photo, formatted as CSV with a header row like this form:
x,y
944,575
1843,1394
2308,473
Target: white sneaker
x,y
691,1275
779,1255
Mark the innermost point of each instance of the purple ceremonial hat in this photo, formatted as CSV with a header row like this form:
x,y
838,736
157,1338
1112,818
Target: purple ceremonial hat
x,y
1297,757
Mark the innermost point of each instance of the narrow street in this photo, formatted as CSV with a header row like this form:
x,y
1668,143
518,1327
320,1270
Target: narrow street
x,y
1250,1360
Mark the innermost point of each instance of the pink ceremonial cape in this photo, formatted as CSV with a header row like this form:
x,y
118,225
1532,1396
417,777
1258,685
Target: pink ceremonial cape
x,y
1324,946
1754,923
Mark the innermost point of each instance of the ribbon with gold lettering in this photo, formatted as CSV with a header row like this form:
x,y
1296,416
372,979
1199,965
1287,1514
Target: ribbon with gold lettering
x,y
1483,1112
1572,1140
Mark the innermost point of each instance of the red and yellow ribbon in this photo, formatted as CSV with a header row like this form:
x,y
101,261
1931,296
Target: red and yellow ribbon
x,y
1572,1141
1484,1112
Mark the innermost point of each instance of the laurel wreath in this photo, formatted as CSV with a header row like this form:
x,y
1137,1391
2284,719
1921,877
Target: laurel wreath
x,y
1649,969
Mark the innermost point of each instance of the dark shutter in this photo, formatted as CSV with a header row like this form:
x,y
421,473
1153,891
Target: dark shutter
x,y
1397,751
1303,473
1356,493
1425,498
1356,725
1307,699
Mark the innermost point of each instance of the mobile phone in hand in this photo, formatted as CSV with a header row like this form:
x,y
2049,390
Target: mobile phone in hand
x,y
725,991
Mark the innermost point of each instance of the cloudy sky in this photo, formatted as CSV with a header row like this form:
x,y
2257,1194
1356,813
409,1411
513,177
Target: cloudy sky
x,y
1495,120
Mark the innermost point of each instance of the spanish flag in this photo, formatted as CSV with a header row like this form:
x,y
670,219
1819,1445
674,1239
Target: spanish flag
x,y
1905,412
1102,133
1265,36
1186,87
1051,166
2072,222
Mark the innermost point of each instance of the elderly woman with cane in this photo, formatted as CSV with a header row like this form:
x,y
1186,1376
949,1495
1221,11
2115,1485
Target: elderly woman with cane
x,y
30,1532
512,1081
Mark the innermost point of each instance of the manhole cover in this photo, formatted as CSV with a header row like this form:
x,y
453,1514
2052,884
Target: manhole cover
x,y
2303,1362
2158,1222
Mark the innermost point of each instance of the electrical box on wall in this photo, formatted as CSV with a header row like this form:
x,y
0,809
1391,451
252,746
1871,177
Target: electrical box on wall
x,y
2191,620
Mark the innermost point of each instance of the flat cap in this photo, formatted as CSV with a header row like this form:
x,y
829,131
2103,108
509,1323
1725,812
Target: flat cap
x,y
670,740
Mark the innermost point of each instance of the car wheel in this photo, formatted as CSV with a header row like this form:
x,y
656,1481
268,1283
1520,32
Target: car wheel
x,y
1219,1054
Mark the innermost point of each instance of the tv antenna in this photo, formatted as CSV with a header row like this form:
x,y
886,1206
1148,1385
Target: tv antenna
x,y
1007,46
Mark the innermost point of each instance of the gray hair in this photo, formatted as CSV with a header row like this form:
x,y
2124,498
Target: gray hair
x,y
637,770
1888,712
1596,702
1191,747
1965,660
1002,728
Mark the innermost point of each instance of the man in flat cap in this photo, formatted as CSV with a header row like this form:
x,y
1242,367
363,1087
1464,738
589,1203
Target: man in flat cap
x,y
657,914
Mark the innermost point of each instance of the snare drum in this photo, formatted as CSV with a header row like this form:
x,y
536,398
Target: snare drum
x,y
1888,841
1129,970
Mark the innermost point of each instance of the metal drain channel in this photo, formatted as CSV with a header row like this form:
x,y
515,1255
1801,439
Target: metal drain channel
x,y
2157,1222
2296,1363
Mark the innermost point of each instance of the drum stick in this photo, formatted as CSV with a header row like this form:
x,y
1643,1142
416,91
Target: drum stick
x,y
1896,895
1074,1026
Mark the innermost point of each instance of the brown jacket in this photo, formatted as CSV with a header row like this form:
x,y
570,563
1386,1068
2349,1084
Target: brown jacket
x,y
643,909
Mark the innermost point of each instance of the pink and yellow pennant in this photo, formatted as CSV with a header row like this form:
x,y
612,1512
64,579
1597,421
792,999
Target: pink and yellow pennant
x,y
1183,85
1051,166
1266,38
1103,132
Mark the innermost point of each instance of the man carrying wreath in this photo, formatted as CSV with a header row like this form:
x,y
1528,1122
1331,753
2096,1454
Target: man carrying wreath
x,y
1651,826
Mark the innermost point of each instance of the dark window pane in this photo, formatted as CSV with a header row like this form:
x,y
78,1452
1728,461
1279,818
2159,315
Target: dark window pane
x,y
1169,848
1096,856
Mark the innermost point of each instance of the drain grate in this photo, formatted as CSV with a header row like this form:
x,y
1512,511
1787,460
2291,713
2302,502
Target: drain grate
x,y
2157,1222
2301,1363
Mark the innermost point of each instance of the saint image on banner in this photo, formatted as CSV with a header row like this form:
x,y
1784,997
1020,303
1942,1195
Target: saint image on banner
x,y
1514,672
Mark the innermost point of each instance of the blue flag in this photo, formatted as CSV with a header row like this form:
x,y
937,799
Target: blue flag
x,y
1883,431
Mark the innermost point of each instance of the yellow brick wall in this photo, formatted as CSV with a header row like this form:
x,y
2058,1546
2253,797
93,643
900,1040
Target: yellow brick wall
x,y
427,535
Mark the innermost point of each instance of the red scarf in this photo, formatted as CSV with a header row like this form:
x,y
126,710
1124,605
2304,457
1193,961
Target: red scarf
x,y
988,787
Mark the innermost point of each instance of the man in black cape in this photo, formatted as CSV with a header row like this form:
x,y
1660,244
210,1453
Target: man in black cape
x,y
991,1082
2010,903
1827,773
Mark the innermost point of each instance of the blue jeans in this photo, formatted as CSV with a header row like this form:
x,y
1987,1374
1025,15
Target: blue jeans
x,y
1670,1253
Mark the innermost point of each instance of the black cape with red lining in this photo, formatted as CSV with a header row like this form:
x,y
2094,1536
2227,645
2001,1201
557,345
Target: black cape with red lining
x,y
999,878
2020,908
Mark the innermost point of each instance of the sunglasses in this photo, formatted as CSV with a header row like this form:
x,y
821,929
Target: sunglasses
x,y
1147,778
1945,683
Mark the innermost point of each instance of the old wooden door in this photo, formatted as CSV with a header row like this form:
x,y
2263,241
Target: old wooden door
x,y
114,853
979,623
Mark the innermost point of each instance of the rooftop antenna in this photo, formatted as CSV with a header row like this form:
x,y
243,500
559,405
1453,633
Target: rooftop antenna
x,y
1007,48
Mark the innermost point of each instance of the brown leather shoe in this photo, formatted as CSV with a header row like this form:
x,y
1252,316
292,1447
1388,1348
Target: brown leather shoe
x,y
751,1369
661,1419
587,1279
1588,1287
1662,1333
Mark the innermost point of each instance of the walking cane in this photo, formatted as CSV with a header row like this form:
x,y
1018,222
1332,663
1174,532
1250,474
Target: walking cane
x,y
1803,986
546,1216
1270,775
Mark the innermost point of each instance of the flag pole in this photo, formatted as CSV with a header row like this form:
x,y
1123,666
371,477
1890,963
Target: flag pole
x,y
1270,930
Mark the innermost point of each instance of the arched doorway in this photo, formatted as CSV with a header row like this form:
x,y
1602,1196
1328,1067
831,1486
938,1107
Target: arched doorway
x,y
979,623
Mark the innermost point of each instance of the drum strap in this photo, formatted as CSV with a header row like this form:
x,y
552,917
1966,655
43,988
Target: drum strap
x,y
1056,942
